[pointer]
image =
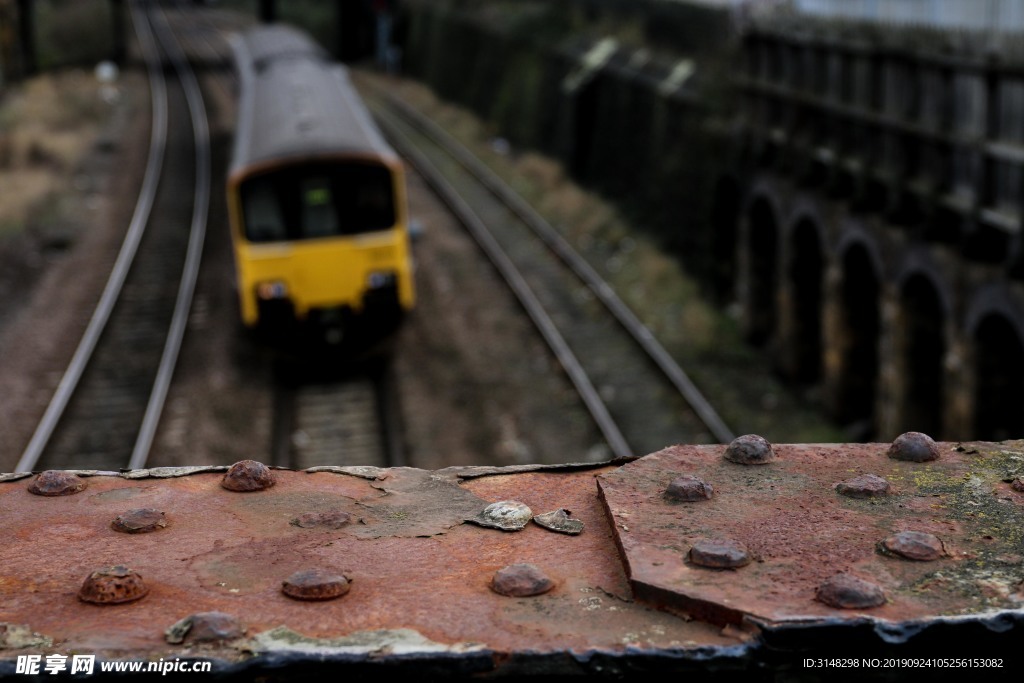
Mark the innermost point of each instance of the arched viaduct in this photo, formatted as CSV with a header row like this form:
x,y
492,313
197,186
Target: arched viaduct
x,y
874,219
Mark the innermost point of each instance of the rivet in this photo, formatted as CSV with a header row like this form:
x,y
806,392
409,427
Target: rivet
x,y
507,515
845,591
521,580
315,584
914,545
864,486
331,519
56,483
750,449
688,488
719,553
248,475
559,520
205,627
913,447
112,586
139,521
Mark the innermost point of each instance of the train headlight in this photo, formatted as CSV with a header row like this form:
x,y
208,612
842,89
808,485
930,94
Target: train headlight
x,y
271,290
380,280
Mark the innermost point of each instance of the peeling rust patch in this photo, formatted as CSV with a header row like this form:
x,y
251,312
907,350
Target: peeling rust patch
x,y
205,627
507,515
399,642
139,521
19,636
560,521
521,580
168,472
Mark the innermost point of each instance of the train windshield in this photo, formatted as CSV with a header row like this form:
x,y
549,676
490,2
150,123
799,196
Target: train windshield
x,y
325,200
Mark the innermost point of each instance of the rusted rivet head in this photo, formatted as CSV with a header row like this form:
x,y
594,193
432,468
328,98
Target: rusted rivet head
x,y
332,519
205,627
864,486
521,580
139,521
315,584
248,475
719,553
845,591
559,520
688,488
913,447
56,483
507,515
112,586
914,545
750,449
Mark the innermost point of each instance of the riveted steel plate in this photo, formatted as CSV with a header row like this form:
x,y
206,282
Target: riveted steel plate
x,y
800,532
420,575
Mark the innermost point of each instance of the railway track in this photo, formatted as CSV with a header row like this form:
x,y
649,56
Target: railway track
x,y
340,415
638,396
105,411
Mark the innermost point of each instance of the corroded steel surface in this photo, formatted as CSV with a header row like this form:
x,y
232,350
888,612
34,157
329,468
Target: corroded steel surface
x,y
421,577
800,532
415,580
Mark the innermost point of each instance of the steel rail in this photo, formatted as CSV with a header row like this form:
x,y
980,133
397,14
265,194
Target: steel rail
x,y
137,227
561,248
193,258
507,269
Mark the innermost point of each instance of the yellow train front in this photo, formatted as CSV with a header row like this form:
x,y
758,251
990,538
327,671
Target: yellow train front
x,y
316,201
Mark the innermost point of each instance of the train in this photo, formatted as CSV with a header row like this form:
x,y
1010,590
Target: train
x,y
316,201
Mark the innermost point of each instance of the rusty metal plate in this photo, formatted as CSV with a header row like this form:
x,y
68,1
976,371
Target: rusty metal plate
x,y
420,577
799,533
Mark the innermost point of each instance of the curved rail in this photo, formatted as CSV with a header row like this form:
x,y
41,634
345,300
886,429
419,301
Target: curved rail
x,y
561,248
70,381
137,227
577,375
197,236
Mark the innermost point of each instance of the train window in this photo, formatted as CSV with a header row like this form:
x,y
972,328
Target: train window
x,y
319,214
264,220
321,200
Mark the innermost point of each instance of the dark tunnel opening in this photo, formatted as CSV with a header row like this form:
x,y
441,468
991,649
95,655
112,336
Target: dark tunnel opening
x,y
999,389
724,223
923,349
763,267
805,276
859,294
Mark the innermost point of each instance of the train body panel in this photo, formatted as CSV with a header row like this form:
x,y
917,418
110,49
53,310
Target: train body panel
x,y
316,197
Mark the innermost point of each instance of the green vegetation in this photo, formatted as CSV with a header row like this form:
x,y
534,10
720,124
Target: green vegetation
x,y
73,32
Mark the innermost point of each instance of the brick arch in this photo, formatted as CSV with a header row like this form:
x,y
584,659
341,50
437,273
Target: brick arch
x,y
725,230
805,272
921,344
994,299
859,320
854,235
918,263
995,331
761,247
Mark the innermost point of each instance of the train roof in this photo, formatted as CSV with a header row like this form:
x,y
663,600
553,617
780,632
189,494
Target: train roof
x,y
295,101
